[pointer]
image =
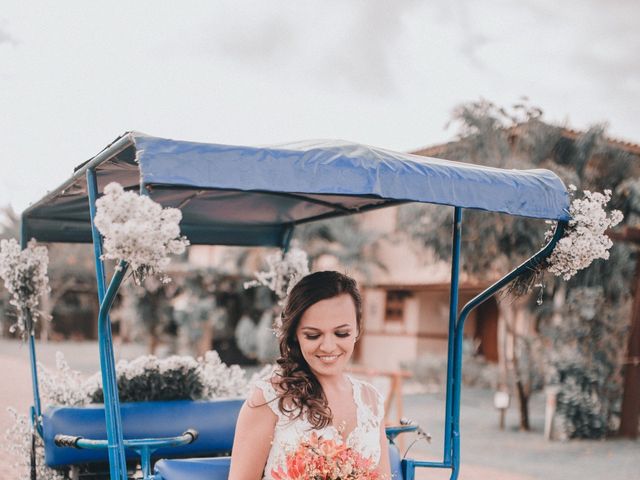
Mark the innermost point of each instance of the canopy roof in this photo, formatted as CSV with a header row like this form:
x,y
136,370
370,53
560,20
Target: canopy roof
x,y
232,195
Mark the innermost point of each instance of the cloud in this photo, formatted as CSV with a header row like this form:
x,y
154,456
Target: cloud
x,y
349,43
6,38
605,48
472,39
365,60
260,40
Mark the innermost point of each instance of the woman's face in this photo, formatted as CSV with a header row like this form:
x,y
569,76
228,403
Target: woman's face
x,y
326,333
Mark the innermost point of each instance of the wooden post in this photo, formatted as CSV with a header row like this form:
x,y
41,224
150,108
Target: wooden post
x,y
631,396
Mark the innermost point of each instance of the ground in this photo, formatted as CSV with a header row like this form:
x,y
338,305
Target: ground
x,y
487,452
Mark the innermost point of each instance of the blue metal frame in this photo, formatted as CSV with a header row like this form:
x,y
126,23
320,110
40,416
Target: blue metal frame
x,y
144,447
36,409
451,457
453,315
117,461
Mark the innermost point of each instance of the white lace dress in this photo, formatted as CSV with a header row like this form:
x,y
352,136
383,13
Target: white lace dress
x,y
365,437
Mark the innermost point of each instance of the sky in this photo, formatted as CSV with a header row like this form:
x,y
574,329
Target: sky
x,y
74,75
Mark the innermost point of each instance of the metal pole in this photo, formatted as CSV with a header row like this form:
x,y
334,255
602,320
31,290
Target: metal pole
x,y
117,462
37,415
524,267
453,315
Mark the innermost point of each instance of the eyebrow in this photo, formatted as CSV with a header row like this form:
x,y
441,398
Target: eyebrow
x,y
346,325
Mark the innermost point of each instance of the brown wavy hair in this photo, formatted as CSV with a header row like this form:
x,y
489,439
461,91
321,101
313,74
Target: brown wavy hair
x,y
299,391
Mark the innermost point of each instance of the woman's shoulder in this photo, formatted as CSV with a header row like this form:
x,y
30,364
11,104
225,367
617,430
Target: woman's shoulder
x,y
267,390
266,385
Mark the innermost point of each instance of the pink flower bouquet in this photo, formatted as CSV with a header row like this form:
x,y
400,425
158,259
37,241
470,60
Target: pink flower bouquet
x,y
324,459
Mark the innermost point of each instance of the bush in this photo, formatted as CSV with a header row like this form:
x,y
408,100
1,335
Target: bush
x,y
585,363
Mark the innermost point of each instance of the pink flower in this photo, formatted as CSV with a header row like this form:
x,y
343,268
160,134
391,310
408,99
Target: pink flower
x,y
325,459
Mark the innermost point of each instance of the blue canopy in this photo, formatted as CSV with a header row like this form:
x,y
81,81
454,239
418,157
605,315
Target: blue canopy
x,y
233,195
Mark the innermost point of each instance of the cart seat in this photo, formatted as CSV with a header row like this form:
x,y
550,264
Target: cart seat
x,y
218,468
193,469
214,420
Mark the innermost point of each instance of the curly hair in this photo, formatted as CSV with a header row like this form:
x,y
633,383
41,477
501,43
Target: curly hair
x,y
300,392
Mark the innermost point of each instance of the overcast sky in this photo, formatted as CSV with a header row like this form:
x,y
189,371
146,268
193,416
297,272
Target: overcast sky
x,y
74,74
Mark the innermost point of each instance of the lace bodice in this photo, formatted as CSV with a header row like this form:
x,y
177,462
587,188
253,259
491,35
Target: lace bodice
x,y
365,437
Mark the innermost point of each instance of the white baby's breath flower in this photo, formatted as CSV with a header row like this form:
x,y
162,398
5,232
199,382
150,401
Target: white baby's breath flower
x,y
283,272
139,231
584,239
24,273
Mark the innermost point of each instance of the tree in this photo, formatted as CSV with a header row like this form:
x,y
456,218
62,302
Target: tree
x,y
519,138
344,238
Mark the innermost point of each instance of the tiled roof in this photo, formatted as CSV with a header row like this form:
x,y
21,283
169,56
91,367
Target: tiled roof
x,y
570,133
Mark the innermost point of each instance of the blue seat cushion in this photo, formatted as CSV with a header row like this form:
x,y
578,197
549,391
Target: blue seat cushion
x,y
214,420
193,469
218,468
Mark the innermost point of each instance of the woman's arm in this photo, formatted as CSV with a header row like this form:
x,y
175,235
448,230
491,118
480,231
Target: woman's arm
x,y
384,466
252,440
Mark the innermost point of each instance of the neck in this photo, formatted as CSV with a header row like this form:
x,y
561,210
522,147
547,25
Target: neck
x,y
333,382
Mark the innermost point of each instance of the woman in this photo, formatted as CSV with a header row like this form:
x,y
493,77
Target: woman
x,y
310,396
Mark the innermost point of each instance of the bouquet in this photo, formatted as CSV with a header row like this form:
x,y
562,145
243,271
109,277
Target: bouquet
x,y
324,459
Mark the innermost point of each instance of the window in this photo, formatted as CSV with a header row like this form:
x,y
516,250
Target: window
x,y
394,306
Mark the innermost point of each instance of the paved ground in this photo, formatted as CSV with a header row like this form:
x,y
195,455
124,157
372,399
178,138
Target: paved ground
x,y
487,452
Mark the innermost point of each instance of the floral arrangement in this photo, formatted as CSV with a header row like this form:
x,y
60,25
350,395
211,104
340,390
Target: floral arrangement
x,y
325,459
139,231
584,240
146,378
283,271
24,273
18,438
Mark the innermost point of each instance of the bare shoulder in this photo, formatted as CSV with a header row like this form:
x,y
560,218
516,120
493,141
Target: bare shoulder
x,y
262,397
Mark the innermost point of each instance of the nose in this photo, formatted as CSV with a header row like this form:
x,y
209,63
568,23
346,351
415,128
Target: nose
x,y
328,344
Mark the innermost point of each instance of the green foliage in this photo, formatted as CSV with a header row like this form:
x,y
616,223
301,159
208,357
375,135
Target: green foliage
x,y
585,362
488,135
343,237
580,408
175,378
584,349
183,383
628,199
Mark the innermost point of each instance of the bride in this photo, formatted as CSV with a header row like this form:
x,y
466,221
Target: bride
x,y
309,395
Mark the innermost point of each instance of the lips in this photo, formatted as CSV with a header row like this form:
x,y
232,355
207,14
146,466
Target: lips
x,y
328,358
